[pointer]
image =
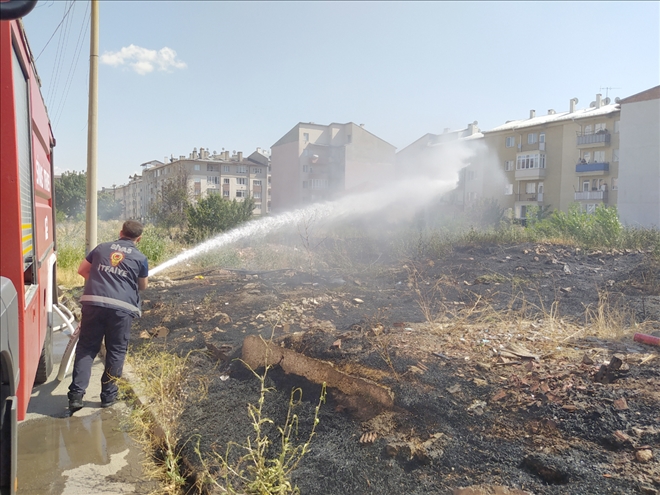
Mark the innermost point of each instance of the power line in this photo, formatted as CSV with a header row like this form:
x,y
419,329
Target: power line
x,y
51,36
73,66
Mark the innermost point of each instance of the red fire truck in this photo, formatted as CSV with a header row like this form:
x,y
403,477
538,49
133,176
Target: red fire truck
x,y
27,230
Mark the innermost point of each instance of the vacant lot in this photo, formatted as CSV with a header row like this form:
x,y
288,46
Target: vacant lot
x,y
506,365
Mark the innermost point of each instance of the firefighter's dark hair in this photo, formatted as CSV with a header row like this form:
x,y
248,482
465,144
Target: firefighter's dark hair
x,y
132,229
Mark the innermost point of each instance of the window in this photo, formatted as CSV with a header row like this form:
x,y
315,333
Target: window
x,y
256,170
530,187
241,180
471,175
587,156
472,196
305,168
536,160
240,194
615,155
508,165
600,128
542,141
306,137
225,168
585,186
508,190
319,183
615,183
211,168
241,169
305,184
599,156
588,129
256,182
532,137
213,180
225,180
349,138
196,167
257,195
225,193
510,142
591,208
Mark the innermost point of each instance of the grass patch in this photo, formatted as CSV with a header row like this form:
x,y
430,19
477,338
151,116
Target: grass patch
x,y
167,385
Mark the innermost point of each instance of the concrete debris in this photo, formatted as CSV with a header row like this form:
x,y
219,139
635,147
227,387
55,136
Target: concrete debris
x,y
644,455
478,407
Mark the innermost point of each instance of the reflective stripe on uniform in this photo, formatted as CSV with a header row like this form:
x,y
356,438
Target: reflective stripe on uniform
x,y
111,302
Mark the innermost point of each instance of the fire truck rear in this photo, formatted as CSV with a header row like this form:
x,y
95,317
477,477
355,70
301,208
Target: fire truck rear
x,y
27,229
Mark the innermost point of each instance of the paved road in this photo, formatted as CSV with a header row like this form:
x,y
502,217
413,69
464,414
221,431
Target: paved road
x,y
88,453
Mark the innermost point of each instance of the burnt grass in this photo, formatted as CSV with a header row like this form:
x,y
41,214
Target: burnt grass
x,y
464,414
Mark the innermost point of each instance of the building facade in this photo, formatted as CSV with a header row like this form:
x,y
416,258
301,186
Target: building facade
x,y
232,176
554,160
639,154
313,162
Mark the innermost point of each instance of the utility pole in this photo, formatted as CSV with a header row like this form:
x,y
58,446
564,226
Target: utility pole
x,y
92,117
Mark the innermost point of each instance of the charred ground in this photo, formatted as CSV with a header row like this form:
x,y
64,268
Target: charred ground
x,y
491,353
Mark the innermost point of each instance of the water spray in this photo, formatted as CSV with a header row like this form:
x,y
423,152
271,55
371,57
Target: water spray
x,y
412,193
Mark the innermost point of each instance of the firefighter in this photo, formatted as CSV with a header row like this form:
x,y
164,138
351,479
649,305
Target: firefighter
x,y
114,273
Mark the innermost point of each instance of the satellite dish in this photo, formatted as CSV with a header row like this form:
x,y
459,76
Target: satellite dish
x,y
606,101
617,100
592,104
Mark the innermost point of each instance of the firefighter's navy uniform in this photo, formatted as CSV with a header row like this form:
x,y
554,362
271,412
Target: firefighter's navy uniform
x,y
110,301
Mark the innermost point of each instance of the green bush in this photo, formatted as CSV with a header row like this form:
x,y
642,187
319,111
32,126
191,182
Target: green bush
x,y
69,255
214,214
154,245
600,229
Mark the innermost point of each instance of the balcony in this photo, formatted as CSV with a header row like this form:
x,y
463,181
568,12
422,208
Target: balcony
x,y
530,173
593,168
593,140
591,196
534,197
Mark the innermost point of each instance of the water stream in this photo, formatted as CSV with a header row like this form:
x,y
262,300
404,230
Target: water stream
x,y
406,194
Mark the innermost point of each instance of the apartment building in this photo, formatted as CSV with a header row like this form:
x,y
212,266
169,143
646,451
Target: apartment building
x,y
639,155
131,197
314,162
557,159
232,176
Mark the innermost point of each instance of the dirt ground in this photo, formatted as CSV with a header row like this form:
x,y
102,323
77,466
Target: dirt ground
x,y
510,368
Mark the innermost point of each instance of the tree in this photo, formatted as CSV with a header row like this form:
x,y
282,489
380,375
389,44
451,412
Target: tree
x,y
71,194
108,207
169,209
214,214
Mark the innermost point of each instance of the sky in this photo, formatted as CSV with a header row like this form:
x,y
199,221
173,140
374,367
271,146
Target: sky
x,y
178,75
